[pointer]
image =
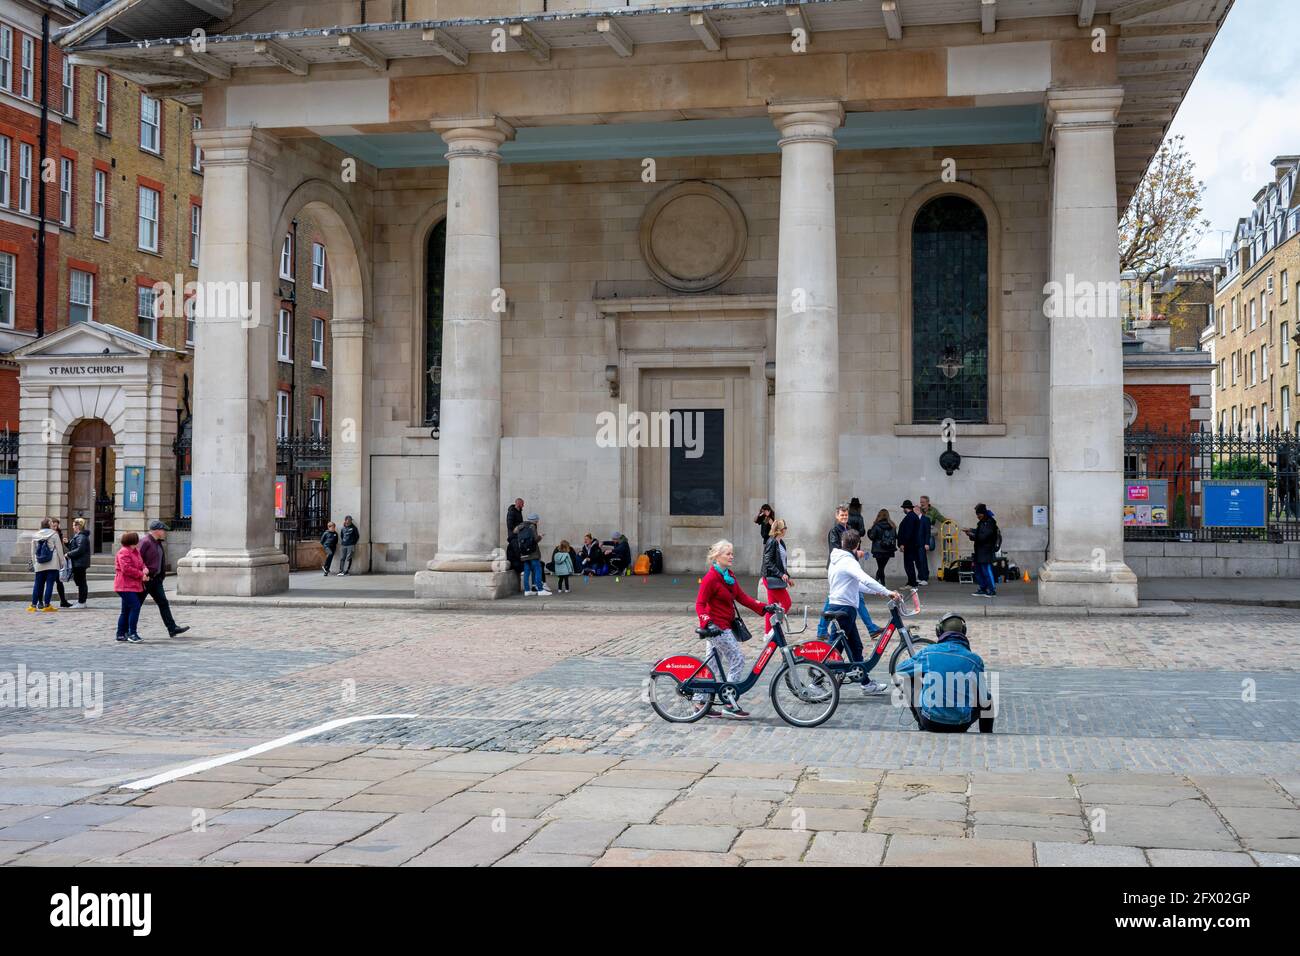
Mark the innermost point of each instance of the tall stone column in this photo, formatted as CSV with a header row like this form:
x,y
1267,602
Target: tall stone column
x,y
350,338
469,449
807,432
1085,564
233,547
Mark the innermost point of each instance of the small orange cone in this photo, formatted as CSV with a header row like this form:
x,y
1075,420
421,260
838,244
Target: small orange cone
x,y
1026,577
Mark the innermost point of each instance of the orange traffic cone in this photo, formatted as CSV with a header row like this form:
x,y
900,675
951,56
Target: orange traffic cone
x,y
1026,577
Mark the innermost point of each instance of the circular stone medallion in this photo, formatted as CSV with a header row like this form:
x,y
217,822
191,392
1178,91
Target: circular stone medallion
x,y
693,236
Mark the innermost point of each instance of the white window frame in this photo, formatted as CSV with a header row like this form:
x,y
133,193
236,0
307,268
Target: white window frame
x,y
319,267
284,337
1286,287
1284,402
1284,331
88,303
27,70
146,223
100,203
8,271
6,161
69,88
25,156
317,416
286,258
67,176
1254,371
317,342
1263,363
6,58
196,232
103,92
282,414
149,314
196,153
155,127
191,319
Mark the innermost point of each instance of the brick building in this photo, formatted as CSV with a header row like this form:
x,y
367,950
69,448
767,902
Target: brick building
x,y
1256,329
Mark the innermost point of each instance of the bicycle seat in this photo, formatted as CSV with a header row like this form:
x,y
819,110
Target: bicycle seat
x,y
707,632
840,616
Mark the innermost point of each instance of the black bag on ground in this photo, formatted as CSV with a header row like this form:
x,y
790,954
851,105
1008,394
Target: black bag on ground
x,y
656,560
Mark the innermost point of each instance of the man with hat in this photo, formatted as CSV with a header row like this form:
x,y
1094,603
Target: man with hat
x,y
949,690
913,536
154,552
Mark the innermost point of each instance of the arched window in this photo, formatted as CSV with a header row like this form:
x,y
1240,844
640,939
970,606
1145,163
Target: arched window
x,y
950,311
435,274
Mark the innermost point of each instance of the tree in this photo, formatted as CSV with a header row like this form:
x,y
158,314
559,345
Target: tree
x,y
1163,223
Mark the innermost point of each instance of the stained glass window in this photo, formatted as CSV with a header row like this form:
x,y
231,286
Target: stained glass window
x,y
435,274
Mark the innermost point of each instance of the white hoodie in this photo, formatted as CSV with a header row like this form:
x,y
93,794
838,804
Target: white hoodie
x,y
51,537
847,579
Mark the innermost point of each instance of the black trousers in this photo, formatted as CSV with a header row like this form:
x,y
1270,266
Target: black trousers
x,y
329,558
79,578
881,561
154,589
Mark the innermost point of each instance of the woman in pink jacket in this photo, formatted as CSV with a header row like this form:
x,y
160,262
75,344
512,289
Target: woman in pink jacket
x,y
128,581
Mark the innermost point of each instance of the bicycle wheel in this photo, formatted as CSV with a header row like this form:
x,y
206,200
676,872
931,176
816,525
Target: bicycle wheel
x,y
806,694
674,704
901,652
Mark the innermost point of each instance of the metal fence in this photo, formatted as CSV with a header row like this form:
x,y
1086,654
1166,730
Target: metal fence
x,y
1186,460
9,470
303,462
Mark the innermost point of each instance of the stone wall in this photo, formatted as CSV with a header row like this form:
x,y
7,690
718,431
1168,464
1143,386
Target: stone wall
x,y
1227,559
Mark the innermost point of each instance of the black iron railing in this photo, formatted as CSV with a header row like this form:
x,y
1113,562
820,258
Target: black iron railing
x,y
9,471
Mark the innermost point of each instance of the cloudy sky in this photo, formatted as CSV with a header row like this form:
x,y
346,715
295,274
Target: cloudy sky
x,y
1243,110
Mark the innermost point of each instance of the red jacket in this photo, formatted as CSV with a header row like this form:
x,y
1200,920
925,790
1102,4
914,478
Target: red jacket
x,y
130,570
715,600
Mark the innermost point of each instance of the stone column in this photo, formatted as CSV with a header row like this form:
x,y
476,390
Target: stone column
x,y
807,433
469,449
233,546
1085,564
349,451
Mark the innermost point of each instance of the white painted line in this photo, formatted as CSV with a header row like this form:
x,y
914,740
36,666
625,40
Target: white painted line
x,y
185,771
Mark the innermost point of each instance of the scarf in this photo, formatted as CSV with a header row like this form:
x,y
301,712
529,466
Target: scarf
x,y
726,574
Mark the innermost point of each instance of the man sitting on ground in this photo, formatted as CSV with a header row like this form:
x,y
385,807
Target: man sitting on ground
x,y
949,691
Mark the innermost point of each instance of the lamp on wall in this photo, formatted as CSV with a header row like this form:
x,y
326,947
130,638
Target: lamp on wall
x,y
769,369
611,376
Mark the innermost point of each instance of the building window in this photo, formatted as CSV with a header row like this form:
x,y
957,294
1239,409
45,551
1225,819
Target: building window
x,y
102,91
286,257
27,69
191,308
697,485
282,414
67,175
1236,366
7,270
1285,288
1236,418
1263,363
1285,340
1284,404
1253,317
101,204
1263,418
6,58
146,311
318,342
24,177
196,154
150,124
1254,371
150,201
69,88
950,328
81,296
284,337
317,417
318,266
1223,421
435,275
1223,373
6,154
196,229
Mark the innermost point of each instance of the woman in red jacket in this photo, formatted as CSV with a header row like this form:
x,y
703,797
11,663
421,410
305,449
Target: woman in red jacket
x,y
716,604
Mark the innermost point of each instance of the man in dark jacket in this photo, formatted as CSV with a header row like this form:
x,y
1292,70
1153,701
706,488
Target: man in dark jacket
x,y
154,552
949,690
514,518
986,538
329,540
913,536
833,539
349,536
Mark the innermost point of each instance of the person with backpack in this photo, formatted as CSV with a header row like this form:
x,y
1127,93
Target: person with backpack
x,y
349,536
528,540
79,555
949,689
884,542
47,560
329,540
988,541
129,577
564,560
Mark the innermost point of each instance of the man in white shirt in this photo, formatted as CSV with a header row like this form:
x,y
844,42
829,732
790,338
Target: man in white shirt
x,y
848,582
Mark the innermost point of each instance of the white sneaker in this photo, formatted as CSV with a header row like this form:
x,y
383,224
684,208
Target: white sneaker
x,y
530,593
873,687
923,583
545,590
80,605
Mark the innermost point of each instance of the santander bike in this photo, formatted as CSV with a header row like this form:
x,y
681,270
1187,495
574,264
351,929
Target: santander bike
x,y
804,692
833,653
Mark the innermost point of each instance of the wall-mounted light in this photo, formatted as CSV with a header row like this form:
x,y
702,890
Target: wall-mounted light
x,y
611,376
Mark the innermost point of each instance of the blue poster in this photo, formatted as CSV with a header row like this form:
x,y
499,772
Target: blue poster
x,y
8,494
1235,504
187,496
133,490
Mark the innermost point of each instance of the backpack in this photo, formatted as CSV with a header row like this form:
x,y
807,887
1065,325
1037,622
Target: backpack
x,y
44,553
526,540
888,539
642,565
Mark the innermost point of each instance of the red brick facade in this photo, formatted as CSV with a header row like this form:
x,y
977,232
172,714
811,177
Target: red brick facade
x,y
1163,407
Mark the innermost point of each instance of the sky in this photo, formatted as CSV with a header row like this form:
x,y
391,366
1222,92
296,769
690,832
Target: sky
x,y
1242,110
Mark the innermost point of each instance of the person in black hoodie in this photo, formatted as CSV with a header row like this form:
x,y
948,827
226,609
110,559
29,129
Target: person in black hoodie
x,y
349,535
79,555
856,521
912,539
884,542
591,556
987,539
329,540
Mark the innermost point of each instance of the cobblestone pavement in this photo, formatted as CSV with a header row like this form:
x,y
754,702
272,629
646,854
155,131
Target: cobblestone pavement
x,y
536,722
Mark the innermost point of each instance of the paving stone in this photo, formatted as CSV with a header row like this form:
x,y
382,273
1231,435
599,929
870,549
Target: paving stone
x,y
925,782
535,781
251,817
393,843
948,828
1108,794
580,838
420,783
269,852
645,779
854,849
947,851
1291,785
1042,784
389,802
185,793
315,753
571,763
1188,825
295,804
1001,818
480,842
12,850
861,789
187,847
41,829
366,768
1008,803
43,795
313,788
321,826
1276,859
160,819
753,770
92,845
238,773
1264,828
1241,791
1088,854
831,801
1031,834
1198,858
843,775
475,804
706,809
545,860
482,761
757,788
646,836
1125,778
670,765
626,856
797,817
612,803
926,806
768,844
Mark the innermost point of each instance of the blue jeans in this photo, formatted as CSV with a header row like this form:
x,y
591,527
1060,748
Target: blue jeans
x,y
823,625
129,619
533,574
43,587
984,578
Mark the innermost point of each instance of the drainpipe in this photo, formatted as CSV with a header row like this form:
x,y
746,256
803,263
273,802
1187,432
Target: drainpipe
x,y
293,340
44,150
